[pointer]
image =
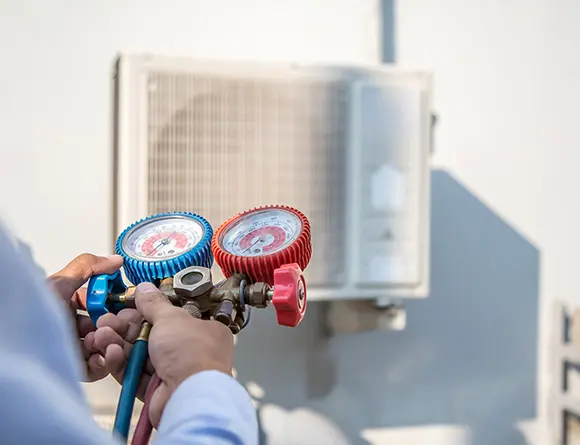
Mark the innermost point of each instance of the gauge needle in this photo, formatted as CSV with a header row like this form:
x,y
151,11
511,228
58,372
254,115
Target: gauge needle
x,y
250,247
162,242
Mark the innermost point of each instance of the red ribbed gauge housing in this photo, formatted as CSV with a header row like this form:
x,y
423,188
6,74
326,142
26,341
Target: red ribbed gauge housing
x,y
258,241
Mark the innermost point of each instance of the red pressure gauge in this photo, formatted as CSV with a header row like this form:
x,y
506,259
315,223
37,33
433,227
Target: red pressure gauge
x,y
259,241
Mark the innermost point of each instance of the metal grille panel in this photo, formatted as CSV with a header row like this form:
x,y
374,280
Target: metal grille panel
x,y
217,146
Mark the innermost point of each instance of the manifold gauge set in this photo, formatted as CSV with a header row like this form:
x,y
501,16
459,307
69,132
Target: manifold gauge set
x,y
262,253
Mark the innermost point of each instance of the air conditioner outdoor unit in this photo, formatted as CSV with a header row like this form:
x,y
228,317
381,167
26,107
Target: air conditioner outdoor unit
x,y
348,146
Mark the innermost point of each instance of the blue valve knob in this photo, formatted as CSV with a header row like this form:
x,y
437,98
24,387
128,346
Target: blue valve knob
x,y
100,287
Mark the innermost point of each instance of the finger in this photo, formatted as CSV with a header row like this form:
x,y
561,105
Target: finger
x,y
131,315
96,368
119,356
88,344
127,323
116,360
84,350
153,305
79,299
119,325
116,363
78,271
106,336
158,401
84,325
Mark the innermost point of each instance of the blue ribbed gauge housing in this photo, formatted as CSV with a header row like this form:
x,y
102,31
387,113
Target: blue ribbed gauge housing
x,y
159,246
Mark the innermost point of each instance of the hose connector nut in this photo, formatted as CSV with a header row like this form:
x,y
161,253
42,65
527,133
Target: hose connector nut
x,y
192,282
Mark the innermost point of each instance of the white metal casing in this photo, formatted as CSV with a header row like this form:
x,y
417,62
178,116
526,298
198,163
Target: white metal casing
x,y
348,146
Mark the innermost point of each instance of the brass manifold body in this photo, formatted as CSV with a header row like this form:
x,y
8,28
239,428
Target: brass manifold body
x,y
193,289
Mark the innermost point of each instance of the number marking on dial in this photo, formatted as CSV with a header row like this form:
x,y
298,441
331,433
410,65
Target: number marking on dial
x,y
163,238
261,233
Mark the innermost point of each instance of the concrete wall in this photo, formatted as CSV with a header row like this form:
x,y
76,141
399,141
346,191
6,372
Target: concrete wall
x,y
471,366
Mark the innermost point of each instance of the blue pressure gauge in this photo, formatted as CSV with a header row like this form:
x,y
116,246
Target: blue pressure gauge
x,y
159,246
153,248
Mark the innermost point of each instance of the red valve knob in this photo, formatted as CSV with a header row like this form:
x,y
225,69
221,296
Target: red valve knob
x,y
289,297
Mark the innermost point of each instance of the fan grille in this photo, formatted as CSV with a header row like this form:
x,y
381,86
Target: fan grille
x,y
217,146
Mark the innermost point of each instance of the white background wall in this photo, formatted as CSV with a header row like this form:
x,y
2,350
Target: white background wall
x,y
505,207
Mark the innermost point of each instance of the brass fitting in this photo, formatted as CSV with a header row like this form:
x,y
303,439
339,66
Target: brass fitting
x,y
258,295
145,330
167,289
192,282
193,289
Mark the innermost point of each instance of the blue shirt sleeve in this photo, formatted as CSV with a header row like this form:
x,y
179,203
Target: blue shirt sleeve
x,y
211,407
40,368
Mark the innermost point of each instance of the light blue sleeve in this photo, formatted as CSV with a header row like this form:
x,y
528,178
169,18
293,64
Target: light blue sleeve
x,y
209,408
41,399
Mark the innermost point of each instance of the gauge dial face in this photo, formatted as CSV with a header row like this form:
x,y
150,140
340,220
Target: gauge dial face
x,y
262,232
163,238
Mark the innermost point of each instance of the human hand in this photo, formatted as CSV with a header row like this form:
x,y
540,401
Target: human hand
x,y
114,340
67,284
179,345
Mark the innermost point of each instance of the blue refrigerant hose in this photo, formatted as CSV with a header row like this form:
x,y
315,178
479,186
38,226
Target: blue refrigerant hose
x,y
131,383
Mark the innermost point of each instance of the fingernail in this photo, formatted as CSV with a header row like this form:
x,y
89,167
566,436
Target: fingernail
x,y
100,361
146,288
115,257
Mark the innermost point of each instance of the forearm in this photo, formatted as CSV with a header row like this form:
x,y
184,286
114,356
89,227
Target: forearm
x,y
209,408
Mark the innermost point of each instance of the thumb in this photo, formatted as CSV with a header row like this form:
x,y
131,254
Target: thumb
x,y
152,304
78,271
